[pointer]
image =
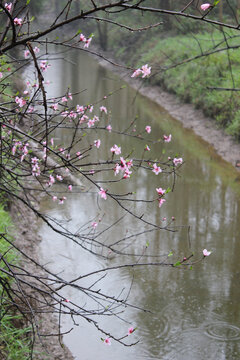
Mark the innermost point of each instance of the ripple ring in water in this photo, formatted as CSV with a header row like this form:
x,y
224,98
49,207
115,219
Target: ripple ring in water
x,y
223,331
163,327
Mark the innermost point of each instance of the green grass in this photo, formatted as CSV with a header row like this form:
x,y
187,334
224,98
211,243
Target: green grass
x,y
14,339
190,81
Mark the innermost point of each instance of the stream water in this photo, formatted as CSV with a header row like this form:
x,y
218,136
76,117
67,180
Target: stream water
x,y
195,314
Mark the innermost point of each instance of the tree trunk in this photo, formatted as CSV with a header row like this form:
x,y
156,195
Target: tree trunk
x,y
220,11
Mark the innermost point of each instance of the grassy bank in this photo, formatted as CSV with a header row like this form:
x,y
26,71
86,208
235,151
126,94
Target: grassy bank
x,y
14,339
192,81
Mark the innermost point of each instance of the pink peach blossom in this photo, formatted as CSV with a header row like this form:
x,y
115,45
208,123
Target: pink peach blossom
x,y
20,101
129,163
95,118
102,193
72,115
115,149
44,65
36,50
79,155
34,160
64,99
130,330
82,38
83,118
8,6
64,113
161,202
54,106
127,173
168,138
18,21
61,200
123,163
90,123
160,191
26,53
136,73
30,109
97,143
206,6
103,109
51,180
148,129
177,161
36,170
145,70
109,128
80,109
206,253
117,169
87,42
156,169
14,148
107,341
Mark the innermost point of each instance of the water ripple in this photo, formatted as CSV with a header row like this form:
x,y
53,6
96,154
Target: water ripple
x,y
222,331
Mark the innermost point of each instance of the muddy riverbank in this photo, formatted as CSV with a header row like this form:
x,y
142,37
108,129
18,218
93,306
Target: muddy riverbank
x,y
47,346
206,128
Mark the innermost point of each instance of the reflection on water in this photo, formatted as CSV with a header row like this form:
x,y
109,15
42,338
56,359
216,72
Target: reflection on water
x,y
195,314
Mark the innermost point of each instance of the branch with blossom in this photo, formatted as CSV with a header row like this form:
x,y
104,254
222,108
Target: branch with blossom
x,y
34,163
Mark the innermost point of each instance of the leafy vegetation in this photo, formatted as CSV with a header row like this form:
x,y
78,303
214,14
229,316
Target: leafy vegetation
x,y
198,80
14,340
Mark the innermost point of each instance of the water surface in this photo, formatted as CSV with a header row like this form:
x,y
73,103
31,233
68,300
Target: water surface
x,y
195,313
